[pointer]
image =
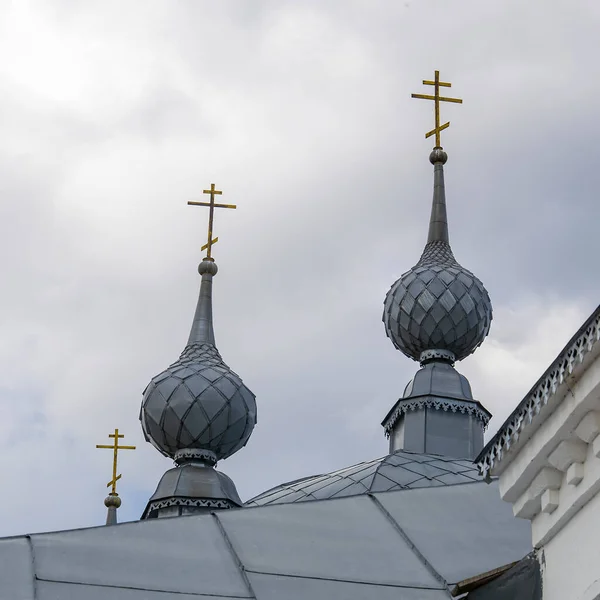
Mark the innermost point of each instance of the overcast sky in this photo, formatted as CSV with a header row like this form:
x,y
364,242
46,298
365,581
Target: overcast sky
x,y
114,114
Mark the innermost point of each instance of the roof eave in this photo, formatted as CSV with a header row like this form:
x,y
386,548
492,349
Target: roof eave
x,y
391,418
525,418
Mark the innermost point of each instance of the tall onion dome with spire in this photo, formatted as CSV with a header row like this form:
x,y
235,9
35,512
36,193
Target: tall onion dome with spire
x,y
437,308
437,313
197,411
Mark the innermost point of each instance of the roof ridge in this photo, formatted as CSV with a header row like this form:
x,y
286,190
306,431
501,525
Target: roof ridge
x,y
34,576
410,543
113,586
339,580
234,554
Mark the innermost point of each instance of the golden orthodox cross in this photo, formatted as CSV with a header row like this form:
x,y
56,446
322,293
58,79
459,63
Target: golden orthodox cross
x,y
115,448
437,99
212,206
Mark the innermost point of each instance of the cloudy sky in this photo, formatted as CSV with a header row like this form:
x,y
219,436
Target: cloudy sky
x,y
114,114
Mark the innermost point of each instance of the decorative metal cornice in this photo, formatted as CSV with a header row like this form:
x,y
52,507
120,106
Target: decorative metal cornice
x,y
429,355
195,454
528,409
193,502
445,404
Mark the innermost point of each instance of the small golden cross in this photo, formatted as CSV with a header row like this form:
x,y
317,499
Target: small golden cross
x,y
212,206
437,99
115,448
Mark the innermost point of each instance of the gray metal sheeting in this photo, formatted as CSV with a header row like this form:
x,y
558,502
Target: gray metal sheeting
x,y
463,530
49,590
410,544
399,470
349,540
522,582
16,569
170,555
277,587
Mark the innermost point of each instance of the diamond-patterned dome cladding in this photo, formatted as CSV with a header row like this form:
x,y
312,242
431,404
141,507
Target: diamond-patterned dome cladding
x,y
198,402
397,471
437,305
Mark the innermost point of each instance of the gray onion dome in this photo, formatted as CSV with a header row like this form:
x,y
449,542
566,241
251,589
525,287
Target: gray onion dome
x,y
199,404
438,309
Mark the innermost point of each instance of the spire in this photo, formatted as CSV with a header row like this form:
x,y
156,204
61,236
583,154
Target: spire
x,y
438,312
197,411
112,501
438,223
202,327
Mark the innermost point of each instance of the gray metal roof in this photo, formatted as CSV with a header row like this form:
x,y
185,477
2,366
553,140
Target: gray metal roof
x,y
412,544
522,581
397,471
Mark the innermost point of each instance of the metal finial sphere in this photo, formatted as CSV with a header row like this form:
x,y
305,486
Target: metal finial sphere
x,y
438,156
208,266
112,501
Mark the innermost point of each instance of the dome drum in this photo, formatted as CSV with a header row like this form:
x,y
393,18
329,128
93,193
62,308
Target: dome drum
x,y
437,414
192,488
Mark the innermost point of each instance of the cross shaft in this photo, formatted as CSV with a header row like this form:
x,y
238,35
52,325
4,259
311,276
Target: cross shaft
x,y
212,205
115,448
437,99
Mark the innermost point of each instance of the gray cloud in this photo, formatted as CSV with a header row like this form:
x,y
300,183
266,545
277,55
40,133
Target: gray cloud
x,y
113,116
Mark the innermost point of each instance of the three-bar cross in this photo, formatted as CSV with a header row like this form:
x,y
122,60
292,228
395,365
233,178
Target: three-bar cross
x,y
115,448
212,206
437,99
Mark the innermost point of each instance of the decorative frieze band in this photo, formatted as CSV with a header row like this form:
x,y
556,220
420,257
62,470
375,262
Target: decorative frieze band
x,y
191,502
445,404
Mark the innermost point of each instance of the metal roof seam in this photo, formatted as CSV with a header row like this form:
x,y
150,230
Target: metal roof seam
x,y
339,492
325,482
141,589
234,554
401,487
339,580
34,576
410,543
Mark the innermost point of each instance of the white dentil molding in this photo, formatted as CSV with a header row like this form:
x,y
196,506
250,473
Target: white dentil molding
x,y
557,471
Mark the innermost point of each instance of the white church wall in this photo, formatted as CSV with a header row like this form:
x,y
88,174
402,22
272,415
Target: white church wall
x,y
550,473
571,559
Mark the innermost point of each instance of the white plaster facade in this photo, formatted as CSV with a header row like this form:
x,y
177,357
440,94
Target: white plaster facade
x,y
549,467
571,559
